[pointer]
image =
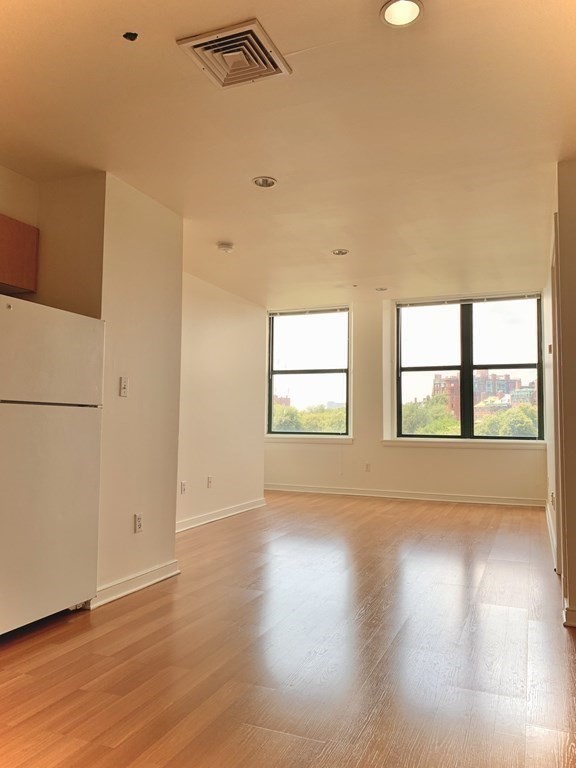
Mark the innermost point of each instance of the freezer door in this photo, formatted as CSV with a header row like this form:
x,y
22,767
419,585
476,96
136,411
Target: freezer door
x,y
49,356
49,469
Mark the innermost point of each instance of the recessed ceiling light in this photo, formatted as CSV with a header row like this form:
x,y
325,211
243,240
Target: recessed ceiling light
x,y
265,182
340,251
401,13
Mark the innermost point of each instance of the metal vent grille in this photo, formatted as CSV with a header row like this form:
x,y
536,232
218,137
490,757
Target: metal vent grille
x,y
236,55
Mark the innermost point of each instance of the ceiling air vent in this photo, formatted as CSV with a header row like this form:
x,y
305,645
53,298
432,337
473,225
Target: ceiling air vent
x,y
235,55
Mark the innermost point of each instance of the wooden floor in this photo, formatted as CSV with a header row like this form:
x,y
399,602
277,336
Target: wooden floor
x,y
318,632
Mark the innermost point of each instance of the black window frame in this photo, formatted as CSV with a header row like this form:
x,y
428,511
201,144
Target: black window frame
x,y
466,370
272,372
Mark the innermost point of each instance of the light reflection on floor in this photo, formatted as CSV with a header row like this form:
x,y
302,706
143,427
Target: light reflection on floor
x,y
308,599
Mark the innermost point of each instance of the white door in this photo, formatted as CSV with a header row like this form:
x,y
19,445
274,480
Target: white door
x,y
49,470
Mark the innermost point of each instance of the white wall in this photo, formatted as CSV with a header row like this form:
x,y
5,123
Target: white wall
x,y
415,469
70,216
141,304
108,250
222,404
19,197
71,222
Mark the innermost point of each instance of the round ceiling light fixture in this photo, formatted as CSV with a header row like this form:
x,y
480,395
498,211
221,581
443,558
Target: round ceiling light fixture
x,y
225,246
264,182
401,13
340,251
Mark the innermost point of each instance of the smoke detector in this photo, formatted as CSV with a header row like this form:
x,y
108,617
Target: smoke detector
x,y
236,55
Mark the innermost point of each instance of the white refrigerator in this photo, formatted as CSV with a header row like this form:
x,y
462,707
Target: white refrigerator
x,y
51,365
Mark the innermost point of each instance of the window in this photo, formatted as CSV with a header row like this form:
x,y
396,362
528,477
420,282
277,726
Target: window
x,y
308,372
471,369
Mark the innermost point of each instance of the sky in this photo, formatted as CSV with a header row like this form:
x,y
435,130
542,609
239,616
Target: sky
x,y
430,336
503,332
311,341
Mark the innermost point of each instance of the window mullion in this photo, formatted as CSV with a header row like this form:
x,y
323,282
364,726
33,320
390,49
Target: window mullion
x,y
466,374
298,371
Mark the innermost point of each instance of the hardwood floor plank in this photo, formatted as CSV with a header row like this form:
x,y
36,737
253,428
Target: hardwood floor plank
x,y
245,745
64,715
22,746
200,715
317,632
161,686
44,693
547,748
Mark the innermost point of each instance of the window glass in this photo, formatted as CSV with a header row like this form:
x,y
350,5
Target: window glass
x,y
430,335
505,332
506,402
470,370
431,403
308,380
316,340
309,402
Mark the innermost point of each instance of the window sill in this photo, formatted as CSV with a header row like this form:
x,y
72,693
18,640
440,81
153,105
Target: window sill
x,y
302,439
446,442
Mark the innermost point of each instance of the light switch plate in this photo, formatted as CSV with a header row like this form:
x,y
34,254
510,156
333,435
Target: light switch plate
x,y
123,390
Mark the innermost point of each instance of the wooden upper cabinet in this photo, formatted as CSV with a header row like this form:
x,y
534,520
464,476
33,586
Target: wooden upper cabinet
x,y
18,256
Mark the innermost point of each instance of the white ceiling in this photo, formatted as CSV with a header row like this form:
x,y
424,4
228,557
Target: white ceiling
x,y
428,152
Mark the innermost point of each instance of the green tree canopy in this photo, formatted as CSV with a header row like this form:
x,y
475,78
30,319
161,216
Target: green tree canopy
x,y
317,418
429,417
285,418
518,421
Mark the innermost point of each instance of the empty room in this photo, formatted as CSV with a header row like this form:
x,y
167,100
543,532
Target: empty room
x,y
287,360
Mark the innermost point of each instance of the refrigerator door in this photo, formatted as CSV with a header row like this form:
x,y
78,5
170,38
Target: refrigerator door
x,y
49,356
49,469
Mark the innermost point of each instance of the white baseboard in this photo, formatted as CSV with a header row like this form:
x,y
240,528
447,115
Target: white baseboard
x,y
550,516
569,617
218,514
137,581
414,495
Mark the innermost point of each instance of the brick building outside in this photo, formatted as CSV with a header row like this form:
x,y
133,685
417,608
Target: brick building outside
x,y
492,391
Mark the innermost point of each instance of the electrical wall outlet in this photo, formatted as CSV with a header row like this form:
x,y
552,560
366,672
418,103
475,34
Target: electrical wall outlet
x,y
209,481
183,487
138,522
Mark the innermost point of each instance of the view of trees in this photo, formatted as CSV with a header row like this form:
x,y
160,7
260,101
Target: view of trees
x,y
518,421
427,417
317,418
431,417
